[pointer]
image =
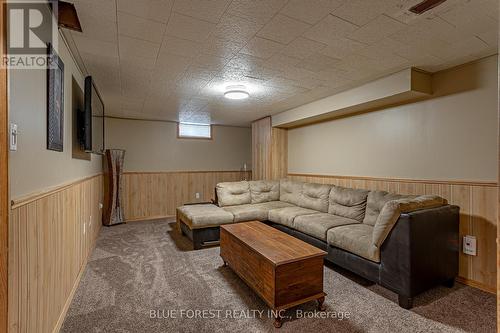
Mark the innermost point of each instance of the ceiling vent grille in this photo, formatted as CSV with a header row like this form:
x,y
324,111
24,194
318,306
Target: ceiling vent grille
x,y
425,6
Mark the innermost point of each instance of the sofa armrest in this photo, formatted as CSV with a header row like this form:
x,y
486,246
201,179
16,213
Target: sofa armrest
x,y
421,251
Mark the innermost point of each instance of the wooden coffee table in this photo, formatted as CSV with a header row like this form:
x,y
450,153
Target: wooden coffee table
x,y
283,270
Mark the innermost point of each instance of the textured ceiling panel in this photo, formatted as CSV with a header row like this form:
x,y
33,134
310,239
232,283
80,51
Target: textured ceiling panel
x,y
173,60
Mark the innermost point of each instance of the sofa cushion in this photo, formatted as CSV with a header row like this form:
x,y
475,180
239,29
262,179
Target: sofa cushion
x,y
251,212
391,211
290,191
286,215
374,203
315,196
204,216
264,190
317,225
348,202
233,193
355,238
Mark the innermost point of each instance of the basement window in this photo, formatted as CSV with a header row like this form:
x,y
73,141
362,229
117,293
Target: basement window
x,y
194,131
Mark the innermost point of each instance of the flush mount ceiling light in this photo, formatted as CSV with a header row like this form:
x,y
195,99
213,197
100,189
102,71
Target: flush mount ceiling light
x,y
236,92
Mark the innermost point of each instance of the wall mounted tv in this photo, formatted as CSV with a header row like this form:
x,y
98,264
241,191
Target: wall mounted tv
x,y
91,120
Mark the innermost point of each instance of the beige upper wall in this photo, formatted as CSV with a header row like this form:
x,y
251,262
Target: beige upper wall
x,y
452,136
33,168
154,146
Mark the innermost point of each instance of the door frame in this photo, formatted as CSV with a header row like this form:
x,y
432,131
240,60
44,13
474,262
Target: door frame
x,y
4,179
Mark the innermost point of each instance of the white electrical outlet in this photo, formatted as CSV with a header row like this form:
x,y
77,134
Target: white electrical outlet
x,y
470,245
101,205
197,195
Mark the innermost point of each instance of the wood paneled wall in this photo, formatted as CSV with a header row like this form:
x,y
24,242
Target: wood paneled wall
x,y
478,216
269,150
50,237
261,148
279,153
4,177
149,195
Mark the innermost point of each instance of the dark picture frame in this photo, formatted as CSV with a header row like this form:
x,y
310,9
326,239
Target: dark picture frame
x,y
55,101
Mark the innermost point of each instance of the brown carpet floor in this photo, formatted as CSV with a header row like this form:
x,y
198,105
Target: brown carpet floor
x,y
137,268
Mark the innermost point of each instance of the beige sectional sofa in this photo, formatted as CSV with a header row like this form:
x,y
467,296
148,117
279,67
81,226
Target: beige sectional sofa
x,y
353,225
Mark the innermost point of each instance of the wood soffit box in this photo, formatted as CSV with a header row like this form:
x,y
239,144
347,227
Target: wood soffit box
x,y
399,88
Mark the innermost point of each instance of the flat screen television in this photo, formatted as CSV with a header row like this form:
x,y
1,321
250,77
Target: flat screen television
x,y
91,120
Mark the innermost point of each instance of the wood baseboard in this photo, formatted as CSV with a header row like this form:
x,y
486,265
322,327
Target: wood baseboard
x,y
65,309
149,218
476,284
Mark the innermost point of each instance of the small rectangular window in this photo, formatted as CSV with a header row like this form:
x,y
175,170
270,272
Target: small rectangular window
x,y
194,131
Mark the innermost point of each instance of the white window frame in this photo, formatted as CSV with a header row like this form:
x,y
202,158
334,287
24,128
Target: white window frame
x,y
179,136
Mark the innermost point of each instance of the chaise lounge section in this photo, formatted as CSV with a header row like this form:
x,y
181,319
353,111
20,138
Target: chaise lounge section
x,y
405,243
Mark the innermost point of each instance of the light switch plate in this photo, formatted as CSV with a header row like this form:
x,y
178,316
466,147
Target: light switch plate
x,y
13,137
470,245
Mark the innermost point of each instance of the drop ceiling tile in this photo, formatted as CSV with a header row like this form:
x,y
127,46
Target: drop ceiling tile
x,y
262,72
304,83
418,37
133,88
356,63
466,47
210,61
259,11
180,47
186,27
220,47
187,75
96,47
157,10
245,61
399,10
472,18
170,66
490,37
329,29
341,48
310,11
104,10
191,83
418,56
443,30
302,47
136,73
360,12
159,108
377,29
200,73
100,64
199,115
140,28
376,52
317,63
262,48
283,29
236,29
298,74
102,30
281,61
138,50
210,11
246,67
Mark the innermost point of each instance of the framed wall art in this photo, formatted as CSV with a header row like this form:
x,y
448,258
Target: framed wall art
x,y
55,101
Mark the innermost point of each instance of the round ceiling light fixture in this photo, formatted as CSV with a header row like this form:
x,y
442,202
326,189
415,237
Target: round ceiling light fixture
x,y
236,92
